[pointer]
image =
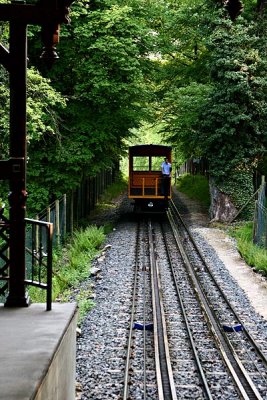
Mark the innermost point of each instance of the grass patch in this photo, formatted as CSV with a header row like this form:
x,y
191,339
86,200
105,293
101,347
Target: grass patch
x,y
252,254
84,300
114,190
109,198
71,265
195,187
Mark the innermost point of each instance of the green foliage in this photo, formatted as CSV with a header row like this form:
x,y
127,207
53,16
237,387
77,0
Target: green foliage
x,y
108,201
37,198
72,265
101,75
86,241
195,187
183,106
232,129
212,87
181,80
106,88
85,304
181,72
239,186
43,105
252,254
115,190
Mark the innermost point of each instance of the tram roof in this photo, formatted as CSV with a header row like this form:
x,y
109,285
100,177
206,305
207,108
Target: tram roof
x,y
150,149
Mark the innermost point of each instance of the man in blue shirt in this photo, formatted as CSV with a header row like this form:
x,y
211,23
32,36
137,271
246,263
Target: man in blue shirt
x,y
166,169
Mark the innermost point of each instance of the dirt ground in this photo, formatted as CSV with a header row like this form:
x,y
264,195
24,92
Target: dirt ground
x,y
254,285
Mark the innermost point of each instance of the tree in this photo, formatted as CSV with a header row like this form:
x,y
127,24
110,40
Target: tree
x,y
215,102
106,91
43,105
195,72
233,123
182,81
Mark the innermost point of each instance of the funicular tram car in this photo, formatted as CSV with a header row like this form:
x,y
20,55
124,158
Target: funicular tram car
x,y
146,184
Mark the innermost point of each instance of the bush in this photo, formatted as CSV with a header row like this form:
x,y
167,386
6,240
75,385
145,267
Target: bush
x,y
195,187
72,265
254,255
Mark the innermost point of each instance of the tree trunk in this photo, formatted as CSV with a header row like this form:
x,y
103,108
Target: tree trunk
x,y
221,208
261,5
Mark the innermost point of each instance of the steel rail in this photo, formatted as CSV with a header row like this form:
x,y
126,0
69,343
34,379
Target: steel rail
x,y
191,339
130,337
241,377
165,381
144,325
237,318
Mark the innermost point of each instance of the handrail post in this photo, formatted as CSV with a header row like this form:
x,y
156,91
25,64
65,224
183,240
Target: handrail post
x,y
58,238
17,296
49,267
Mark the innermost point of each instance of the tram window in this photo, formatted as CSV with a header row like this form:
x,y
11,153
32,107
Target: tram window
x,y
140,163
156,163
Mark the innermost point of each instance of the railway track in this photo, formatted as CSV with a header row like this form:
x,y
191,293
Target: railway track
x,y
140,376
178,346
244,358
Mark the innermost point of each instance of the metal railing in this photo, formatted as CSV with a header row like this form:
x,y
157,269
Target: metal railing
x,y
4,259
39,257
193,166
63,216
260,217
69,211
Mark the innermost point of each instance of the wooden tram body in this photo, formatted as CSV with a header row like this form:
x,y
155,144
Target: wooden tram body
x,y
145,185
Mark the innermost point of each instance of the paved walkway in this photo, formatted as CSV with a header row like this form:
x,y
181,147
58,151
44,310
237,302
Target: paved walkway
x,y
29,339
254,285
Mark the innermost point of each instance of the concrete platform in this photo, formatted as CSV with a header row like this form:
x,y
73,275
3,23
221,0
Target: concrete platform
x,y
38,352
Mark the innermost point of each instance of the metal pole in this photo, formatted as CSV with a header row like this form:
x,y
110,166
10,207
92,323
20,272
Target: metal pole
x,y
65,217
57,223
17,198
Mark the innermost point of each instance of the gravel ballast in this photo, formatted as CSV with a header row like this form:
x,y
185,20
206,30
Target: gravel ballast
x,y
100,353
